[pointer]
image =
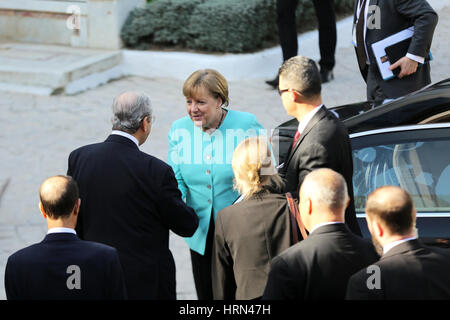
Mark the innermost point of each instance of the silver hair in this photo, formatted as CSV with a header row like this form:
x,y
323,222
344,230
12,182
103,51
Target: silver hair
x,y
129,109
327,187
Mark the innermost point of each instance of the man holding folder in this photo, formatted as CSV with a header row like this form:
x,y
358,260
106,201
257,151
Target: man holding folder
x,y
376,20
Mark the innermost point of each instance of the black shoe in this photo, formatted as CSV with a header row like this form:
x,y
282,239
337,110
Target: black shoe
x,y
273,83
326,75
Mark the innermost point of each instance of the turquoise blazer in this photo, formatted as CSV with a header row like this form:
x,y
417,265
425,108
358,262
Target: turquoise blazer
x,y
202,166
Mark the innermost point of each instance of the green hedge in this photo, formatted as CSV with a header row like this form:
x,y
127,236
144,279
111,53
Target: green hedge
x,y
159,22
213,25
231,25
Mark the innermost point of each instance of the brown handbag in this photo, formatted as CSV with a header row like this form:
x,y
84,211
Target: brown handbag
x,y
296,220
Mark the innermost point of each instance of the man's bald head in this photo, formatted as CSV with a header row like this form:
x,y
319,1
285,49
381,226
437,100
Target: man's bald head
x,y
58,195
326,188
393,207
127,97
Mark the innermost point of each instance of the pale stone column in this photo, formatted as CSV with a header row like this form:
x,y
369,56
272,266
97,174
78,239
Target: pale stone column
x,y
105,21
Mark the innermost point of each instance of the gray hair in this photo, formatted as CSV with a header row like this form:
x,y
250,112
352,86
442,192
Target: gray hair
x,y
326,187
129,109
301,73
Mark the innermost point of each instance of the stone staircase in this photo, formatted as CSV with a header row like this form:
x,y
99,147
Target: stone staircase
x,y
52,69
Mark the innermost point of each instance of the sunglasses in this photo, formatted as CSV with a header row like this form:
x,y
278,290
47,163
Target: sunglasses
x,y
280,92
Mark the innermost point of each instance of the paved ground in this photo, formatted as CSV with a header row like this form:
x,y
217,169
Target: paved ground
x,y
39,132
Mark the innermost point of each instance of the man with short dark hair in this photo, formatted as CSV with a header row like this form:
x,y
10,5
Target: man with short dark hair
x,y
62,266
319,267
321,140
407,268
131,200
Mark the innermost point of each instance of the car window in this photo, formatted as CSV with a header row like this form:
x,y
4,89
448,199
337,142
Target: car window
x,y
420,166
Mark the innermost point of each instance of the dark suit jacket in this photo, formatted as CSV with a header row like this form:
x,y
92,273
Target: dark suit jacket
x,y
397,15
323,144
248,235
40,271
319,267
130,200
410,270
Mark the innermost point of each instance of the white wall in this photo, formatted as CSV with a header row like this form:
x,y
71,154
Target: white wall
x,y
46,21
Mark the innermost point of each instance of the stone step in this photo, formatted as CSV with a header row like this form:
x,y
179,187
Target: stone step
x,y
50,69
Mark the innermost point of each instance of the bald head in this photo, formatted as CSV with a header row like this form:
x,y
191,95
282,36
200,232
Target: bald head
x,y
126,98
393,207
129,109
58,195
326,188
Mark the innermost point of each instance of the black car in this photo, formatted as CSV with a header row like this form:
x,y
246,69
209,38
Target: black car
x,y
405,142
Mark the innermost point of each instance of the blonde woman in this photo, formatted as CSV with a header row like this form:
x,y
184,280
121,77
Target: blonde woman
x,y
201,147
250,233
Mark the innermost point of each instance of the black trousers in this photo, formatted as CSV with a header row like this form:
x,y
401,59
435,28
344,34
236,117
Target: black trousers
x,y
201,266
374,91
379,89
287,29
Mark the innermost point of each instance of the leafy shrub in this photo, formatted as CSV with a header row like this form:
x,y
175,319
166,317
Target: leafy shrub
x,y
213,25
232,25
159,22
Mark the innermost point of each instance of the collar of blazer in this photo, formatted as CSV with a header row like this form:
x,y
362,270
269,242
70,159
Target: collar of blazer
x,y
61,236
328,228
122,140
403,248
314,120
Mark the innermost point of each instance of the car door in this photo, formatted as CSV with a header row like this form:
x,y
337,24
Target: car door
x,y
416,158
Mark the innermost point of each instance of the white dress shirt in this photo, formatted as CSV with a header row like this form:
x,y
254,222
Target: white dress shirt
x,y
126,135
61,230
389,246
302,124
366,10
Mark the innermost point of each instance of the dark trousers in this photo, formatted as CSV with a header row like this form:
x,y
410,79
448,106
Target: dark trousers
x,y
379,89
374,91
287,29
201,266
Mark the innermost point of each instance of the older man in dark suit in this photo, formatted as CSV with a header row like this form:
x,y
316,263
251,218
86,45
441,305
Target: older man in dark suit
x,y
62,266
375,20
319,267
131,200
321,140
407,269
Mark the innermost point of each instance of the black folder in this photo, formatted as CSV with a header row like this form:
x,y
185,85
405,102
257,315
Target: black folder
x,y
397,51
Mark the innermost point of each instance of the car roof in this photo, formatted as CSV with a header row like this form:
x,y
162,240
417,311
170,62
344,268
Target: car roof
x,y
401,128
408,110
